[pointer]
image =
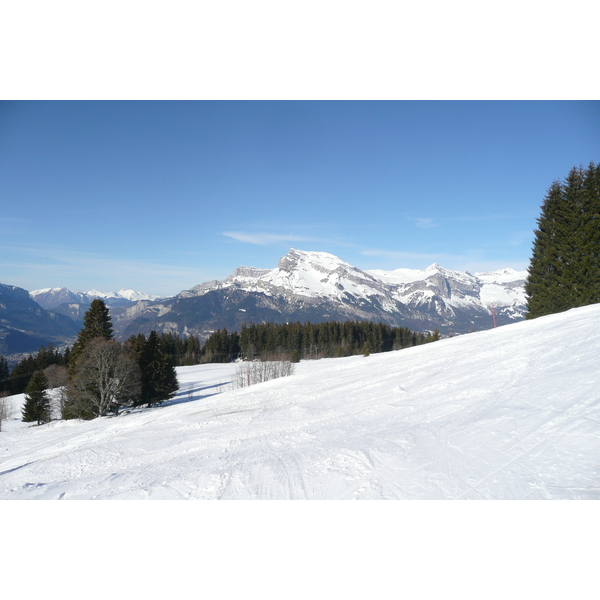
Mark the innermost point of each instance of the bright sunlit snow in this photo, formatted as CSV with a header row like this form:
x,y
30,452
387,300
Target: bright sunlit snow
x,y
510,413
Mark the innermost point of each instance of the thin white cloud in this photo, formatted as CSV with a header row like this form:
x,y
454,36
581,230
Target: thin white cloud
x,y
429,222
411,256
264,239
518,238
425,223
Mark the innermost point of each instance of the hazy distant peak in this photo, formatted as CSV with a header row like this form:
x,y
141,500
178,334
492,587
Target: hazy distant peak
x,y
50,298
134,296
502,276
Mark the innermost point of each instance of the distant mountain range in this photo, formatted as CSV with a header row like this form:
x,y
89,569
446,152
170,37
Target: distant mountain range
x,y
25,325
52,297
29,320
75,304
317,287
305,286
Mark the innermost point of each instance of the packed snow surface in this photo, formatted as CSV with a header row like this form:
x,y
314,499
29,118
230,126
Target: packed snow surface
x,y
510,413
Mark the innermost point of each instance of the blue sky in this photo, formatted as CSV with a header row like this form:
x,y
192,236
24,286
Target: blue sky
x,y
160,196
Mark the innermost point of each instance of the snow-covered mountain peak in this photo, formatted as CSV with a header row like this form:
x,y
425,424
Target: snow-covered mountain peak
x,y
322,262
463,276
307,285
407,276
55,290
46,290
319,274
134,296
98,294
125,294
502,276
50,298
434,268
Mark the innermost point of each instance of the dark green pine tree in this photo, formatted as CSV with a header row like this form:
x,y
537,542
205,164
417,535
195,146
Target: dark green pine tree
x,y
159,378
96,324
136,343
590,235
37,402
544,268
569,240
564,270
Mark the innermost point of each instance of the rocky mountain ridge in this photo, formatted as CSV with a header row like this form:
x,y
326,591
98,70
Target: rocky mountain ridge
x,y
74,304
318,286
25,325
50,298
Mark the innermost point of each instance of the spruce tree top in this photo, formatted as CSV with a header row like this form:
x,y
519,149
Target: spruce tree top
x,y
96,324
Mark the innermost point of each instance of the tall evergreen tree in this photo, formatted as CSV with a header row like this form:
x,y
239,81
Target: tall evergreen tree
x,y
96,324
159,378
37,402
544,269
590,234
564,270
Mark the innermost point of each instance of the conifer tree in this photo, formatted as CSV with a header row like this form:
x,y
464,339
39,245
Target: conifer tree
x,y
37,402
96,324
590,234
564,271
159,378
544,269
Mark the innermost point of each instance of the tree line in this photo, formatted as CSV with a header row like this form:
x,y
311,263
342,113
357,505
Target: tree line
x,y
299,341
265,341
564,270
331,339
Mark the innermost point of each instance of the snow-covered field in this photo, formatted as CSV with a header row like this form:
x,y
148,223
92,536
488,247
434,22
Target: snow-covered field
x,y
511,413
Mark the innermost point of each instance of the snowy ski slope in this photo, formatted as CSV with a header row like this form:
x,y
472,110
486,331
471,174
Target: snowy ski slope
x,y
511,413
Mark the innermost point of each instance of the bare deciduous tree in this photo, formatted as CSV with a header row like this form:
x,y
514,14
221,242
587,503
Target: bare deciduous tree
x,y
106,376
253,372
5,408
57,377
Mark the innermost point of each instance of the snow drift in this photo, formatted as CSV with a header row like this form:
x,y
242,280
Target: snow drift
x,y
510,413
